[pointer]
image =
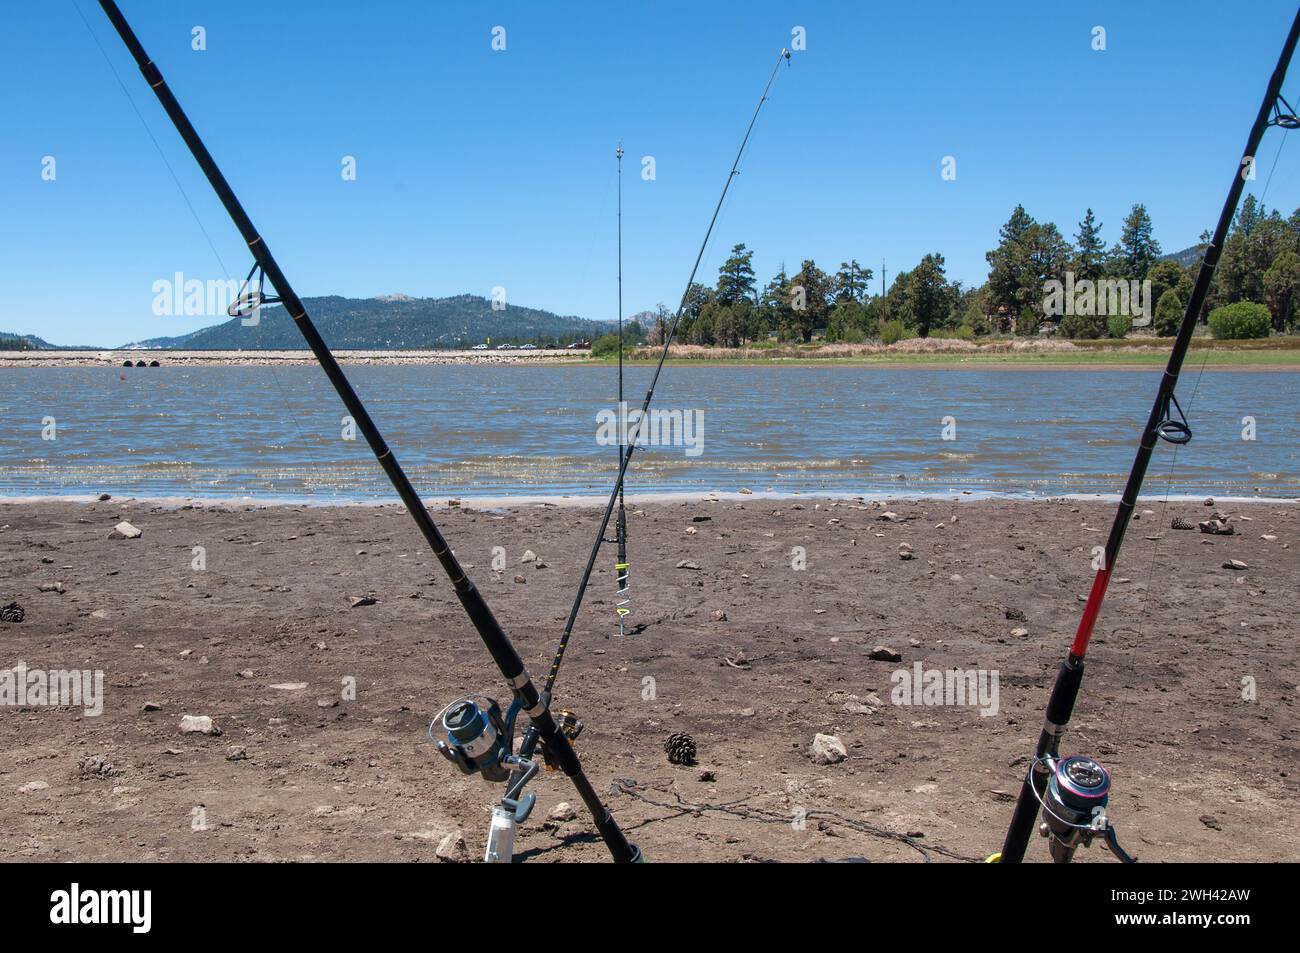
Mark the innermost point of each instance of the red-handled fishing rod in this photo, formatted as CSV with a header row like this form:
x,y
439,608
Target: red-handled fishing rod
x,y
621,567
461,718
1072,792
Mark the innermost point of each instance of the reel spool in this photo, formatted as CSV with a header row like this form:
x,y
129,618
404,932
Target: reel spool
x,y
1074,808
478,739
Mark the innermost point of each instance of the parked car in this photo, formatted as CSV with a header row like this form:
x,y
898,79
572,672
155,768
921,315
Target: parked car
x,y
504,347
479,347
528,347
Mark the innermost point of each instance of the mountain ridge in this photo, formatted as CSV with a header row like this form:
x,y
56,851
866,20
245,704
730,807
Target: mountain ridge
x,y
389,322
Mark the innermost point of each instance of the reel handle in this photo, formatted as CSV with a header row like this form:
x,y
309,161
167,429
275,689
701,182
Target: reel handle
x,y
1112,844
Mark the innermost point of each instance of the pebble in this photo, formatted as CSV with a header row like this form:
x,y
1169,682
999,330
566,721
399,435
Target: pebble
x,y
687,564
96,766
451,849
198,725
882,653
827,749
1216,528
562,812
125,530
359,601
1234,564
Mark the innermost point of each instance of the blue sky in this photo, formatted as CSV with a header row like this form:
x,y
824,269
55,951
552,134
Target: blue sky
x,y
478,168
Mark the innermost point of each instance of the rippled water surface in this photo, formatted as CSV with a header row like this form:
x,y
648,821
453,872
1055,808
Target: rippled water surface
x,y
476,430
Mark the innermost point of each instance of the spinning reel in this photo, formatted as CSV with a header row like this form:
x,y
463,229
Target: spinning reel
x,y
480,740
1074,807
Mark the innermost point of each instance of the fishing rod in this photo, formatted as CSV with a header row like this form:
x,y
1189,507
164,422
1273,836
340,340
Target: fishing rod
x,y
621,567
625,453
479,739
1071,794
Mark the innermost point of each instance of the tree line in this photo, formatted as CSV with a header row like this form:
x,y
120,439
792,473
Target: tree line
x,y
1260,264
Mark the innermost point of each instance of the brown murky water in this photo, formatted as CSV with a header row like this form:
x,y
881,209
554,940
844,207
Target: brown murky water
x,y
279,432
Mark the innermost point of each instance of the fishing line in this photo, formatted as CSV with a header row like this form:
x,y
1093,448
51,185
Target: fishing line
x,y
1075,783
654,380
531,737
629,787
1191,402
476,741
293,418
152,138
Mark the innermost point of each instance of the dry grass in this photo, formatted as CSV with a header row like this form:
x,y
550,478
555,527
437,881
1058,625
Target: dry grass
x,y
697,352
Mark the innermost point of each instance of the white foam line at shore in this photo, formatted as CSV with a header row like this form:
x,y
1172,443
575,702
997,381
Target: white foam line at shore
x,y
666,498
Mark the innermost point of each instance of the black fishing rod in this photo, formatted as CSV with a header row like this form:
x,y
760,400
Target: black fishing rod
x,y
462,718
1072,793
530,738
621,566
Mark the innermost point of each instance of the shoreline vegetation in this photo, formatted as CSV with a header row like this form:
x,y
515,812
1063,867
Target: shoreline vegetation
x,y
1045,301
1274,353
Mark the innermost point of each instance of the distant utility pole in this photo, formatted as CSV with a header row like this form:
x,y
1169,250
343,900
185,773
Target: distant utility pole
x,y
884,305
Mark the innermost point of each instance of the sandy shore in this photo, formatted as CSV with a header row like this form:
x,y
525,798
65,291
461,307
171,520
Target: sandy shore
x,y
279,358
946,354
262,641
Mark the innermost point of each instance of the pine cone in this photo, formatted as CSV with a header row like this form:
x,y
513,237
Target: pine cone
x,y
13,612
1180,523
681,748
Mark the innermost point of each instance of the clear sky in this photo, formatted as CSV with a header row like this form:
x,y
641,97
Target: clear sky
x,y
479,168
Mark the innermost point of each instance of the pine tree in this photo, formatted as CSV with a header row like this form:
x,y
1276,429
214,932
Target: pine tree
x,y
736,276
812,288
1090,249
1282,290
929,294
1010,270
1137,250
851,281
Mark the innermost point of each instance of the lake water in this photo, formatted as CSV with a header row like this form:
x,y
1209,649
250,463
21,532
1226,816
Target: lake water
x,y
522,430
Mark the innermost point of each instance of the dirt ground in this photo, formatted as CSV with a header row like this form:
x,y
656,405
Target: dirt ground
x,y
1200,772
